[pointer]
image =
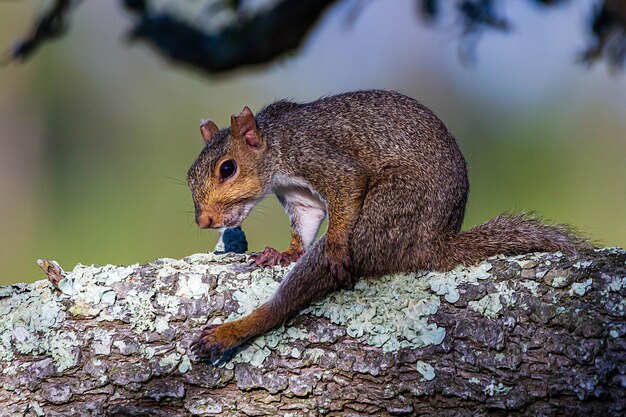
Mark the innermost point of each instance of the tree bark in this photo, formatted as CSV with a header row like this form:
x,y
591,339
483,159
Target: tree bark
x,y
540,334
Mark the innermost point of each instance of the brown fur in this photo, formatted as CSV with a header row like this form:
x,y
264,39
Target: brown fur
x,y
394,183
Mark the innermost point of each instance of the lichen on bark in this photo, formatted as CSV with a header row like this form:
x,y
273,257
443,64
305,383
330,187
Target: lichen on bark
x,y
532,334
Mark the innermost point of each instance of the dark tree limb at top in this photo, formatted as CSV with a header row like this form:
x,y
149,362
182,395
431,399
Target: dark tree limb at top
x,y
253,37
257,39
539,334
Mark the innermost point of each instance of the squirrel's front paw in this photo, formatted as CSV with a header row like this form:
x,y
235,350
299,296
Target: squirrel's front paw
x,y
214,341
272,257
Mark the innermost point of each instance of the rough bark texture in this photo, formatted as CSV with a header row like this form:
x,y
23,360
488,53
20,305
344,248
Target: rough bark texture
x,y
540,334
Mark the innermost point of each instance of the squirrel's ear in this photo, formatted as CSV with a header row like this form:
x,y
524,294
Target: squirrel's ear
x,y
244,127
208,129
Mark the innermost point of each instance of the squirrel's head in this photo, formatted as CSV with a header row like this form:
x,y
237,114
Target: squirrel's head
x,y
226,180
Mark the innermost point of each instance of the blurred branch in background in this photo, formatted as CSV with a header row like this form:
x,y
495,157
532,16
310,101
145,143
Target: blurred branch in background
x,y
49,25
217,36
608,26
246,38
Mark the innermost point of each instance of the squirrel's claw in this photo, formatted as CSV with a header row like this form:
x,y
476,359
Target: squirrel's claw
x,y
270,257
213,343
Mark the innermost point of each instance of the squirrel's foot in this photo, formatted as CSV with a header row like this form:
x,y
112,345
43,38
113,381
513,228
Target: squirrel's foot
x,y
272,257
340,266
215,340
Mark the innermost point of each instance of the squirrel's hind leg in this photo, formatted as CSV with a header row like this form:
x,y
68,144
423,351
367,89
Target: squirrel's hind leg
x,y
400,228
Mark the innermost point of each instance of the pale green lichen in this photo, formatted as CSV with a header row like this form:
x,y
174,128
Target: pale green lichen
x,y
29,319
24,341
392,312
260,290
11,370
259,357
196,264
580,288
83,309
34,405
262,347
559,282
611,250
616,284
161,324
494,389
89,287
619,308
523,262
91,284
531,285
60,347
108,297
170,361
369,312
146,351
102,342
252,355
192,286
207,258
314,354
169,303
185,364
489,305
141,312
203,406
426,370
506,293
446,283
295,333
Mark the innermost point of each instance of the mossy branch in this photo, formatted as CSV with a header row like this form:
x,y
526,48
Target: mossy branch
x,y
536,334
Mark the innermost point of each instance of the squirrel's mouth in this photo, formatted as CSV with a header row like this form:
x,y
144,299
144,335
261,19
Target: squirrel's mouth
x,y
217,219
237,215
232,223
220,225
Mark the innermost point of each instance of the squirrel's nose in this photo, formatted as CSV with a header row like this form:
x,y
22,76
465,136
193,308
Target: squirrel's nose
x,y
204,220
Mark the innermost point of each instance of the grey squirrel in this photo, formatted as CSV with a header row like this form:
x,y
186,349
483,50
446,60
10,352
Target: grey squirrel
x,y
385,170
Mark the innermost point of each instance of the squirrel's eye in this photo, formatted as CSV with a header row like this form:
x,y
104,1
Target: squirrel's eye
x,y
227,169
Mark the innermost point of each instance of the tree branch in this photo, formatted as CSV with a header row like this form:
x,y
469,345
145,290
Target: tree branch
x,y
540,334
261,36
256,39
50,25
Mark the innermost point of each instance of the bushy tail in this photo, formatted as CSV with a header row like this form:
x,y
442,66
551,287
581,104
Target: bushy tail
x,y
510,234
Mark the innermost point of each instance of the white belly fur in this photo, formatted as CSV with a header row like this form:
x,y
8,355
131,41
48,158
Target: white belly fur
x,y
305,206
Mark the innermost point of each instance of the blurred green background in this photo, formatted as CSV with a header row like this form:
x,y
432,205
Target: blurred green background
x,y
96,134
